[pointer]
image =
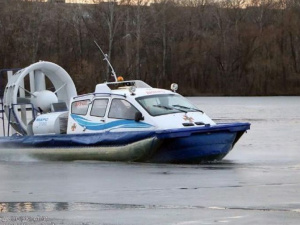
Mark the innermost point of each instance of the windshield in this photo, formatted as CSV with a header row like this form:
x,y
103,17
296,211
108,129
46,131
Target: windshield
x,y
157,105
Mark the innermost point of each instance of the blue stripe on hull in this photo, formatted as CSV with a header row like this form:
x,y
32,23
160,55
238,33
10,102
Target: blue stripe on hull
x,y
97,126
195,148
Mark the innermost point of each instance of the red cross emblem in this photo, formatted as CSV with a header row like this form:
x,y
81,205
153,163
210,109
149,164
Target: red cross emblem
x,y
73,127
190,119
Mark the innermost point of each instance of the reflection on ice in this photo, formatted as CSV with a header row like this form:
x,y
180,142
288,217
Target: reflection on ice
x,y
273,137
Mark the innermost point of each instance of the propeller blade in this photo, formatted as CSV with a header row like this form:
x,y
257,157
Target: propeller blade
x,y
28,92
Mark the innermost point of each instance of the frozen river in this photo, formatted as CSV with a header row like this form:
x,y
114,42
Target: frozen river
x,y
257,183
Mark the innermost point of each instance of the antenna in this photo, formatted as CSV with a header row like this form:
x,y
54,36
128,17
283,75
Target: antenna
x,y
107,60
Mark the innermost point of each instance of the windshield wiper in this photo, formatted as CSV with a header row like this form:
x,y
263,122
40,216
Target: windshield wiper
x,y
184,107
169,108
164,107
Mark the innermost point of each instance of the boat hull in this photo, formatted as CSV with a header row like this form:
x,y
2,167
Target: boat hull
x,y
195,148
186,145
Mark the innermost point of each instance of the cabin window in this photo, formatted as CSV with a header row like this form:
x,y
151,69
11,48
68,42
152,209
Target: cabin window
x,y
80,107
99,107
122,109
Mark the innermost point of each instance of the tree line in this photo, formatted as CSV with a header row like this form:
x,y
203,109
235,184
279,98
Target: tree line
x,y
208,47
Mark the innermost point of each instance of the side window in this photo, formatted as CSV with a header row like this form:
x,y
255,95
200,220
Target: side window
x,y
99,107
121,109
80,107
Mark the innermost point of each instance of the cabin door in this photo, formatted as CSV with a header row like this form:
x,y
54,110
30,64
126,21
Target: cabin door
x,y
88,116
121,114
97,115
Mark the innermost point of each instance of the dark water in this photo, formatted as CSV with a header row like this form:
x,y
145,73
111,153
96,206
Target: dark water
x,y
258,182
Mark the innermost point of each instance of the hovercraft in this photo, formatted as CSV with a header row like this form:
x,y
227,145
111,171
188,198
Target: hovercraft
x,y
119,121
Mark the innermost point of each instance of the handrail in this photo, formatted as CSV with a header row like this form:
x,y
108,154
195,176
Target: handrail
x,y
2,116
17,122
11,69
95,93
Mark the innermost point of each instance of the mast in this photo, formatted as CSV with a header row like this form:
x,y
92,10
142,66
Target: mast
x,y
107,60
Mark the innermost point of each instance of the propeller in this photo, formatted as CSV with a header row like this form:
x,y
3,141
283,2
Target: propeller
x,y
18,100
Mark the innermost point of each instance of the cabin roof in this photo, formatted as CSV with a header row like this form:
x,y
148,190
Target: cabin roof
x,y
122,89
107,87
